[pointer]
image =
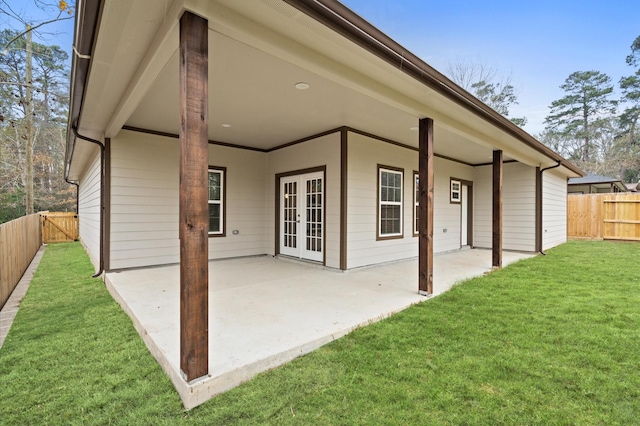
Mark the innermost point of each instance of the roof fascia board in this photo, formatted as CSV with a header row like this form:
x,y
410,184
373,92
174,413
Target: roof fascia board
x,y
161,50
86,23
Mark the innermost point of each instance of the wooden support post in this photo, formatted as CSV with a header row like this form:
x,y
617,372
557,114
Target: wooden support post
x,y
425,207
496,246
538,240
194,267
344,138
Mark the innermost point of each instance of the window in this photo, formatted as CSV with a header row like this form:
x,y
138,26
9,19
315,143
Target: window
x,y
216,201
416,201
389,202
456,191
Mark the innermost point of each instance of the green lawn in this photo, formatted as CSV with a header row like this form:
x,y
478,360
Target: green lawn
x,y
550,340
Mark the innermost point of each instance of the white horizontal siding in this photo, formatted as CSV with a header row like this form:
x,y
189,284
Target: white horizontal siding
x,y
246,201
145,202
89,209
447,216
554,209
364,155
322,151
518,207
363,248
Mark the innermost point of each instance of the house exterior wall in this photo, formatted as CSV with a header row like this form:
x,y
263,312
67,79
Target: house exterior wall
x,y
245,203
321,151
363,247
446,215
580,189
363,156
89,209
518,207
554,209
144,201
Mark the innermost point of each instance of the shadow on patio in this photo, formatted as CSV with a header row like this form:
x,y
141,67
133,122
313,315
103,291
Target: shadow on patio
x,y
265,311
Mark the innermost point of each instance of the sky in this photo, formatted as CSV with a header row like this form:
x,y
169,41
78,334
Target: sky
x,y
537,43
58,33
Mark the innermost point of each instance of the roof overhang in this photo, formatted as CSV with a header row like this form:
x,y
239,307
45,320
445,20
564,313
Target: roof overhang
x,y
600,184
258,51
85,29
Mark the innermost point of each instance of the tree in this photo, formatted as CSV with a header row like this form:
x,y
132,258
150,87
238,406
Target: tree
x,y
480,80
33,101
582,118
33,109
634,57
629,137
62,9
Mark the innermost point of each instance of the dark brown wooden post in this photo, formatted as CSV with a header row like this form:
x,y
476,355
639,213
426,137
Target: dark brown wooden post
x,y
425,207
194,267
344,151
538,230
496,246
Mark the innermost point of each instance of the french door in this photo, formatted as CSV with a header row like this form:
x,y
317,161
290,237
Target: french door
x,y
302,216
464,216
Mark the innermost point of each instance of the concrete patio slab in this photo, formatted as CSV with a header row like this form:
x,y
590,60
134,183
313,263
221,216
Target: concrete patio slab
x,y
266,311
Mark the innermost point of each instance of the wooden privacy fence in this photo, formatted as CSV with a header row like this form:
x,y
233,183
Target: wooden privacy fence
x,y
59,227
20,240
604,216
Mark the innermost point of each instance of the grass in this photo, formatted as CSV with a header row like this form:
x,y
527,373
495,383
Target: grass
x,y
550,340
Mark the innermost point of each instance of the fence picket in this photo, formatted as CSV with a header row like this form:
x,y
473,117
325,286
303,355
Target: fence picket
x,y
603,216
20,239
59,227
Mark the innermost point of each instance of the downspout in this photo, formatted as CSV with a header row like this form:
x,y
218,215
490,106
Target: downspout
x,y
540,232
70,182
74,127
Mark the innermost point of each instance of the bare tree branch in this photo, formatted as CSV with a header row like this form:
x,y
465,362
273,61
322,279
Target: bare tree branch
x,y
29,28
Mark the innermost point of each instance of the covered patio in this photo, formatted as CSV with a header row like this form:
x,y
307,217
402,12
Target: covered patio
x,y
265,311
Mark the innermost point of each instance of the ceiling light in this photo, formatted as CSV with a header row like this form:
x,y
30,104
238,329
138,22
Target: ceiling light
x,y
226,125
302,86
414,128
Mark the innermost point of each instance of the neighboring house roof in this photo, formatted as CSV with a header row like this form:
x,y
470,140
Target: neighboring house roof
x,y
633,187
598,181
365,79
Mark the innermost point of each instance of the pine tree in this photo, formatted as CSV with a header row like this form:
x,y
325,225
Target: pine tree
x,y
629,120
33,109
584,115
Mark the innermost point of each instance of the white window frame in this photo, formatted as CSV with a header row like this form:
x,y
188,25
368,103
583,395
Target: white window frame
x,y
381,203
222,171
456,191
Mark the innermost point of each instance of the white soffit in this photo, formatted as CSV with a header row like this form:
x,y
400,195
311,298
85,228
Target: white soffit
x,y
125,31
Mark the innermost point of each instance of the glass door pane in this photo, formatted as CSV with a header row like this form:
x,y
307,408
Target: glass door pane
x,y
291,214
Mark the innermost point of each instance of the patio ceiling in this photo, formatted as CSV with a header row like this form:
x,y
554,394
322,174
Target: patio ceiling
x,y
258,51
255,94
